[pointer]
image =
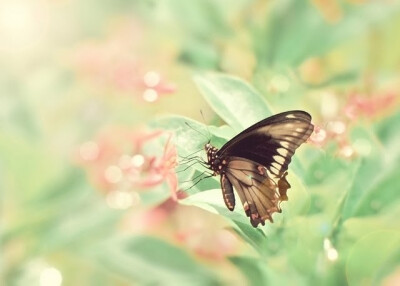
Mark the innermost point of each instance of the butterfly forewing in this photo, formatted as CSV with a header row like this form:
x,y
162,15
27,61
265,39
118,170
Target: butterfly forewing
x,y
255,163
271,142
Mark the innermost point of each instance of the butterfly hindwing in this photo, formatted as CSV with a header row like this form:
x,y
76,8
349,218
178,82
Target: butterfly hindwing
x,y
257,190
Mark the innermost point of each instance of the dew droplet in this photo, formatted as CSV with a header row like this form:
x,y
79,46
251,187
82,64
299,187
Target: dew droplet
x,y
331,252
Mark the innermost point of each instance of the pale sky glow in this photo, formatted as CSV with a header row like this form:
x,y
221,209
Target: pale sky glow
x,y
22,24
50,277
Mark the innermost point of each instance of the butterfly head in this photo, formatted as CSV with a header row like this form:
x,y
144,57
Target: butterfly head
x,y
214,162
211,152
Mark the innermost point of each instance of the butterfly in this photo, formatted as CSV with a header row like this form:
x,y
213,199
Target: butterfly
x,y
255,163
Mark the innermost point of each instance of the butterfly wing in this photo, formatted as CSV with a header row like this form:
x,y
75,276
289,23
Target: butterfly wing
x,y
259,191
258,159
272,141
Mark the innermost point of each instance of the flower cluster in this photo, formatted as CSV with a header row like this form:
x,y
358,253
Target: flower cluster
x,y
359,105
356,107
120,161
114,63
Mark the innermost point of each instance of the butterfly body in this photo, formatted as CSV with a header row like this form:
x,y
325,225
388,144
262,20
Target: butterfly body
x,y
255,163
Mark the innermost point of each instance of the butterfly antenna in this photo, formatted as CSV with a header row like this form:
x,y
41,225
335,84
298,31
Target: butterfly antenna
x,y
191,127
204,121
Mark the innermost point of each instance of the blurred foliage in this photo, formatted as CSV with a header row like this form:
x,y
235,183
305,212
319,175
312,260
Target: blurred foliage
x,y
98,100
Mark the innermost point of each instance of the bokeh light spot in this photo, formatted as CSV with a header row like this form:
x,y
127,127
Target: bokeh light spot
x,y
22,24
347,151
150,95
319,135
152,79
331,252
137,160
50,277
337,127
113,174
122,200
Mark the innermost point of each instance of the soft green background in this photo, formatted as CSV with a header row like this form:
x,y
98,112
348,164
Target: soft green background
x,y
61,67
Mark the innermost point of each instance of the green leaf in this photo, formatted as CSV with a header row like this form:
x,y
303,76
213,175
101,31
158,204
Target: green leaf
x,y
190,135
197,52
388,132
149,260
234,100
279,43
28,166
299,198
381,195
323,167
357,227
253,236
198,17
252,269
369,254
83,223
155,195
375,179
187,139
190,138
212,201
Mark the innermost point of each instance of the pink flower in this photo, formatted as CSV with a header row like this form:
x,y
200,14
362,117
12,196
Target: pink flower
x,y
119,160
118,62
162,169
318,137
152,218
358,105
335,132
210,243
